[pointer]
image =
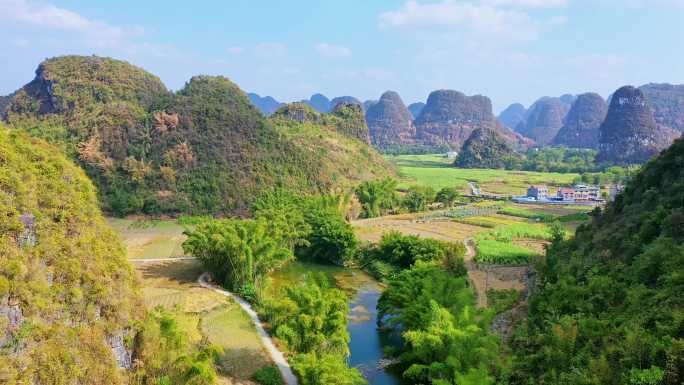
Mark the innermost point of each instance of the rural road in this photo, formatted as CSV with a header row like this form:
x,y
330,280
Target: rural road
x,y
276,355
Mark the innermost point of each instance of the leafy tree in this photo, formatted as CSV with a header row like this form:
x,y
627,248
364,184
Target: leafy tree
x,y
376,197
284,212
447,196
404,250
320,324
327,369
418,198
332,238
165,356
238,253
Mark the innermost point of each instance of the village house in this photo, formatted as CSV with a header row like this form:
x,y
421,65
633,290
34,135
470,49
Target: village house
x,y
538,192
579,192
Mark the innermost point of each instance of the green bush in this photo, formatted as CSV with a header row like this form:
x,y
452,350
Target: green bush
x,y
332,238
418,198
268,375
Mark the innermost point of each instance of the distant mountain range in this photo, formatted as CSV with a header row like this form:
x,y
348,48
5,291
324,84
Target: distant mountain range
x,y
450,117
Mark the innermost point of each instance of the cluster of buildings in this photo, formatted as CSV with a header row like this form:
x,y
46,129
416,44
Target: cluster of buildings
x,y
577,193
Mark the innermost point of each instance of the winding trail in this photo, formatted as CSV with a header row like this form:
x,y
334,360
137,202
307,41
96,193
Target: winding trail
x,y
478,278
276,355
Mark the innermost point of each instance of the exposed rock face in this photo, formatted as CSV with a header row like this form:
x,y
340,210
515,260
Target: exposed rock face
x,y
267,105
351,121
512,115
318,102
390,122
122,354
344,99
416,108
629,133
581,129
4,102
544,119
485,148
449,117
667,103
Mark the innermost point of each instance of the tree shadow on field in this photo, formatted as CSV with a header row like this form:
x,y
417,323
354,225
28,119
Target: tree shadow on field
x,y
177,272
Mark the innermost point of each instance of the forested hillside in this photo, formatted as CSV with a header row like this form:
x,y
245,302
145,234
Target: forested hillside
x,y
67,293
609,307
204,149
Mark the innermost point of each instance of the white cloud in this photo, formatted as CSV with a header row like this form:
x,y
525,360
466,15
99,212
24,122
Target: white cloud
x,y
480,19
331,50
48,16
270,50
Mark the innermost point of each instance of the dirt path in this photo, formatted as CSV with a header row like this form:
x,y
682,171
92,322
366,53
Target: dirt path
x,y
155,260
477,277
276,355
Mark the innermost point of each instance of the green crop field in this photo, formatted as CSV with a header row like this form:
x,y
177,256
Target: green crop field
x,y
436,171
497,245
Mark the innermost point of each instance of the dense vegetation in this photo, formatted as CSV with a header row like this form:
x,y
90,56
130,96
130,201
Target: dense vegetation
x,y
309,318
65,285
446,340
69,306
609,308
204,149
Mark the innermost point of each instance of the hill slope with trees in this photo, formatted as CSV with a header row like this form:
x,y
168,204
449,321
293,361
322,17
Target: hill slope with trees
x,y
67,294
609,308
204,149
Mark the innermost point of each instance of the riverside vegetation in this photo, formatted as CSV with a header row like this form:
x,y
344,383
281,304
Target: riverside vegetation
x,y
604,307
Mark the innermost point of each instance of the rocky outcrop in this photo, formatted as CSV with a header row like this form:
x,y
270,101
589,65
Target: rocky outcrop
x,y
512,115
667,104
568,99
344,99
390,122
318,102
368,104
449,117
347,119
266,104
416,108
298,112
543,120
629,134
351,121
581,128
486,148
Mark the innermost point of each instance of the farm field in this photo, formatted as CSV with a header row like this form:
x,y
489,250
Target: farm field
x,y
202,313
436,171
149,239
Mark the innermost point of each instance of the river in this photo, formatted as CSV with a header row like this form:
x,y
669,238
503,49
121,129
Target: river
x,y
366,341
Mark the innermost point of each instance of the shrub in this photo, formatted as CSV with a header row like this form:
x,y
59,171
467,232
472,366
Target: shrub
x,y
331,239
418,198
268,375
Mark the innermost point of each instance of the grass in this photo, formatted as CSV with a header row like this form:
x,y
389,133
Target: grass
x,y
489,221
497,245
436,171
202,313
231,328
529,214
150,239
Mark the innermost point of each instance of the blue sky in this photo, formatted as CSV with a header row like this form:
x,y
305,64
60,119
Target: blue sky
x,y
509,50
